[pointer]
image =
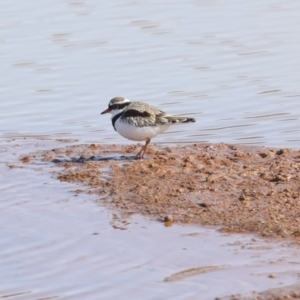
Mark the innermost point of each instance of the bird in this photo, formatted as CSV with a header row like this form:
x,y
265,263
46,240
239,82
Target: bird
x,y
139,121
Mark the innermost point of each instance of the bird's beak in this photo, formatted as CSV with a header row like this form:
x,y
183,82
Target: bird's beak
x,y
105,111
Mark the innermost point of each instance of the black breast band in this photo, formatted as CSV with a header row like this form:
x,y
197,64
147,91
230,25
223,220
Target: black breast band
x,y
115,118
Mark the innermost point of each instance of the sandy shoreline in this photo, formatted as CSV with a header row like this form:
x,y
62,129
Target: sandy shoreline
x,y
239,188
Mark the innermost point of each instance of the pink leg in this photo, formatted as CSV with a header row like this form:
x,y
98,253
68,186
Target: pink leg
x,y
143,150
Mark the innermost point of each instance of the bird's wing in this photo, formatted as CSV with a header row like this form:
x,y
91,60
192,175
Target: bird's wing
x,y
141,114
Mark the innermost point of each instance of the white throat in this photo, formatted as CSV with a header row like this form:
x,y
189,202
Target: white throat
x,y
116,111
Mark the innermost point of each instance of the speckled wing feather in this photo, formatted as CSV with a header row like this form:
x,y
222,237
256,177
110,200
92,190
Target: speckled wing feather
x,y
168,119
140,114
143,114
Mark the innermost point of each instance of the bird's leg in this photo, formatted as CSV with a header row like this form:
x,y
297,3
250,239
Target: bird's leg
x,y
145,147
143,150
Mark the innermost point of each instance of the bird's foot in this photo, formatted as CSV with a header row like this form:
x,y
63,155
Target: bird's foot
x,y
140,155
143,150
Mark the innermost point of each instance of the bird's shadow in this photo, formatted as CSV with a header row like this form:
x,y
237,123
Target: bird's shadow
x,y
82,159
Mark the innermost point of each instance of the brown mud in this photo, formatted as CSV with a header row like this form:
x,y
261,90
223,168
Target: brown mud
x,y
282,293
239,188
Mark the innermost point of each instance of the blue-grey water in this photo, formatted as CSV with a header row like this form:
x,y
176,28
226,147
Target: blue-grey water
x,y
233,65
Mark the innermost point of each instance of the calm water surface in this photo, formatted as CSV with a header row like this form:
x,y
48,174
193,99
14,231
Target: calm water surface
x,y
233,65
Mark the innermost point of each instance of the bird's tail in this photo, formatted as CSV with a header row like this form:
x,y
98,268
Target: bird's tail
x,y
181,120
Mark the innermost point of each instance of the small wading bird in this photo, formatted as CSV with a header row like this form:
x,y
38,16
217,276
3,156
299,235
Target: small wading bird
x,y
138,121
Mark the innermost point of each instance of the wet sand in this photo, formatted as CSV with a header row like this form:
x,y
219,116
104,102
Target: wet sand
x,y
239,188
285,293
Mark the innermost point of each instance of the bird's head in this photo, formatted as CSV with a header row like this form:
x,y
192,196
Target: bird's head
x,y
116,105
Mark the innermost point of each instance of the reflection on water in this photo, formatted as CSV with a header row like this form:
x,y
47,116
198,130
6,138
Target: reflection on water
x,y
220,61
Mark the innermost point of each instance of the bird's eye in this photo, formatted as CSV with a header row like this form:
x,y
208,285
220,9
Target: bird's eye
x,y
115,106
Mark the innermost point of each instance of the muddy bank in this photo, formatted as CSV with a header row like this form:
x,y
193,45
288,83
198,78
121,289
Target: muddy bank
x,y
239,188
282,293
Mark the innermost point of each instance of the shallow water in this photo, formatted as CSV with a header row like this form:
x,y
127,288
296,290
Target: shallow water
x,y
232,65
